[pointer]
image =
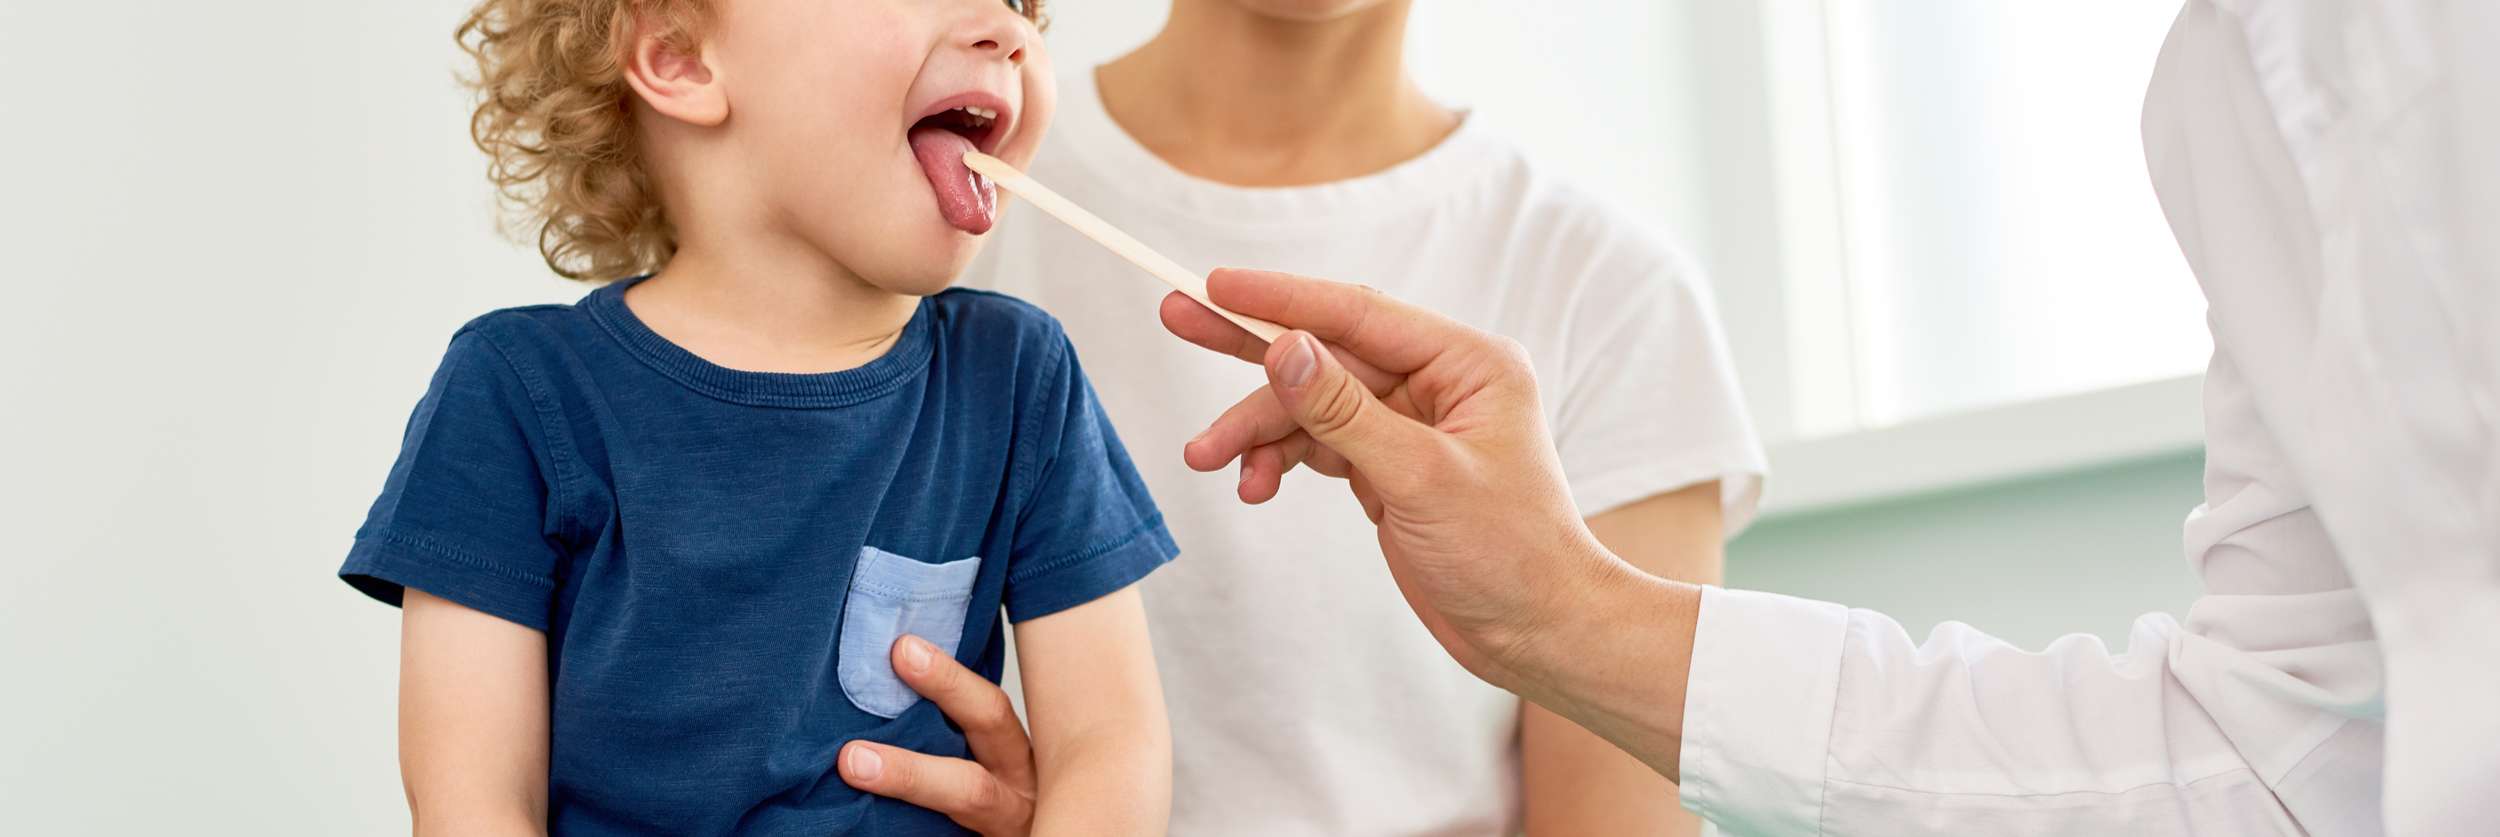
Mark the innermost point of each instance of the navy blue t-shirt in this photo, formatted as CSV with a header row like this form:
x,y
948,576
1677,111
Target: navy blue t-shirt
x,y
721,559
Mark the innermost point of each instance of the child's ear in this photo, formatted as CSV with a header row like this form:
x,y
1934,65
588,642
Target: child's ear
x,y
676,81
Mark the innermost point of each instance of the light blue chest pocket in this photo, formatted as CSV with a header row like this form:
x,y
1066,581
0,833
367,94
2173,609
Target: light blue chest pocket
x,y
890,596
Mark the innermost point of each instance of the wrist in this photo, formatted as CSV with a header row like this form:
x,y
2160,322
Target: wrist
x,y
1613,656
1553,587
1601,610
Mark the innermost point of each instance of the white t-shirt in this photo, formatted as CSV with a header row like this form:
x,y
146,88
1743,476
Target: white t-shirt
x,y
1305,697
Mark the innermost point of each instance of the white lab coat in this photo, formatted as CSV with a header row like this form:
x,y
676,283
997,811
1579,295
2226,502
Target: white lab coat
x,y
2332,170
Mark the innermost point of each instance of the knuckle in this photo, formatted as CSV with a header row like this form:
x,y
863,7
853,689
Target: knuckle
x,y
938,683
984,810
1511,351
1258,409
1335,408
1293,450
992,710
1362,316
985,797
1425,473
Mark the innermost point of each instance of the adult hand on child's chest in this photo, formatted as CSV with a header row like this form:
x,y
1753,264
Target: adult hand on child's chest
x,y
992,793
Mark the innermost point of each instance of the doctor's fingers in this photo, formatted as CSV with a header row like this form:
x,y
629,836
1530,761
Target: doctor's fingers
x,y
980,707
964,791
1193,322
1387,333
1259,419
1263,470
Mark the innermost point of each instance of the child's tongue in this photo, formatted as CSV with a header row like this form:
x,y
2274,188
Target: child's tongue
x,y
967,199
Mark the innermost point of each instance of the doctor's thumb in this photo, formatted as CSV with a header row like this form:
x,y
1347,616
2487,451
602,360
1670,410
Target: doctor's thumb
x,y
1338,411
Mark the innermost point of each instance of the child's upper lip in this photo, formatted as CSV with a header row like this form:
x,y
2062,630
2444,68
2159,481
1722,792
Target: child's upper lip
x,y
1001,126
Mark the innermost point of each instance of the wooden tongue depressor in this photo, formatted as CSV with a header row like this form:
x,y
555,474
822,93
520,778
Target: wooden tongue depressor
x,y
1103,233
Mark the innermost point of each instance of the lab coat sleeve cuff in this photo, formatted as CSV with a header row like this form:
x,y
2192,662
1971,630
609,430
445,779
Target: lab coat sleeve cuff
x,y
1758,710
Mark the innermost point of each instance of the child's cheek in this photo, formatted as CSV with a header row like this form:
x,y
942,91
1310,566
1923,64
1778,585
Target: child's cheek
x,y
1041,100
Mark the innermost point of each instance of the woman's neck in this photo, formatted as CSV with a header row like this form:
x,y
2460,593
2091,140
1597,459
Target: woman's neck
x,y
1233,96
762,307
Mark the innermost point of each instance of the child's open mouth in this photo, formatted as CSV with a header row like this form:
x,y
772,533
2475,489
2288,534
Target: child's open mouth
x,y
969,122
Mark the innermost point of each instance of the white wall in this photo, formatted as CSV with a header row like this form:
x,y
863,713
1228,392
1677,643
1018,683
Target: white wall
x,y
238,235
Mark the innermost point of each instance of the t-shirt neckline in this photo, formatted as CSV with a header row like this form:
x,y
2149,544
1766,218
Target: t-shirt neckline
x,y
903,361
1084,130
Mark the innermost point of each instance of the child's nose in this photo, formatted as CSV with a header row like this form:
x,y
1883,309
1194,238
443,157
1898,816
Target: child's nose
x,y
1014,56
999,32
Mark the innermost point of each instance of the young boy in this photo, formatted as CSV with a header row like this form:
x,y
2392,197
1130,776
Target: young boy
x,y
660,551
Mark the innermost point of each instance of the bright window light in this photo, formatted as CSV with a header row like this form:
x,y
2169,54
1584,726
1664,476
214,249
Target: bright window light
x,y
1998,233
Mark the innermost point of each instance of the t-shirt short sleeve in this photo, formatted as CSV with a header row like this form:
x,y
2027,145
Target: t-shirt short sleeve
x,y
466,513
1088,528
1650,402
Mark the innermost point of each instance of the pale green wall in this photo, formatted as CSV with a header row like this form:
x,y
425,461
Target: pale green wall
x,y
2027,560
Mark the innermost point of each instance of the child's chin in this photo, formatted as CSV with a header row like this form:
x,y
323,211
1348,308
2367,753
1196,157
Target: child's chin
x,y
927,267
924,280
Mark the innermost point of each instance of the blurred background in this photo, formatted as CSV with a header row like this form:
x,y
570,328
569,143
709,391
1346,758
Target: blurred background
x,y
239,234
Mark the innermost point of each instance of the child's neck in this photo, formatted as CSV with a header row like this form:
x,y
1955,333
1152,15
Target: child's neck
x,y
1233,96
768,309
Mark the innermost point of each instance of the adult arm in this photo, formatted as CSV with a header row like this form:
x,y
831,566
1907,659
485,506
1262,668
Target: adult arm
x,y
472,720
2259,713
1805,717
1574,781
2328,169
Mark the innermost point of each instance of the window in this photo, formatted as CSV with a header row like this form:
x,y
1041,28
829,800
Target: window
x,y
1964,184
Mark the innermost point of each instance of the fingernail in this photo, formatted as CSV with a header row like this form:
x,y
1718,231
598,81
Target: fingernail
x,y
916,655
865,766
1245,475
1299,361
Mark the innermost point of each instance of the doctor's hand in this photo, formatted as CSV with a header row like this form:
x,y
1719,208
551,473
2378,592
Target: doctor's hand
x,y
991,794
1438,431
1436,428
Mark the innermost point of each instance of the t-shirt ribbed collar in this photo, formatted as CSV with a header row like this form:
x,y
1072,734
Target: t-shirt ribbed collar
x,y
900,364
1084,131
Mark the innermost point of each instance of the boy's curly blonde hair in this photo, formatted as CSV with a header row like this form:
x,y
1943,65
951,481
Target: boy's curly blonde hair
x,y
554,117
